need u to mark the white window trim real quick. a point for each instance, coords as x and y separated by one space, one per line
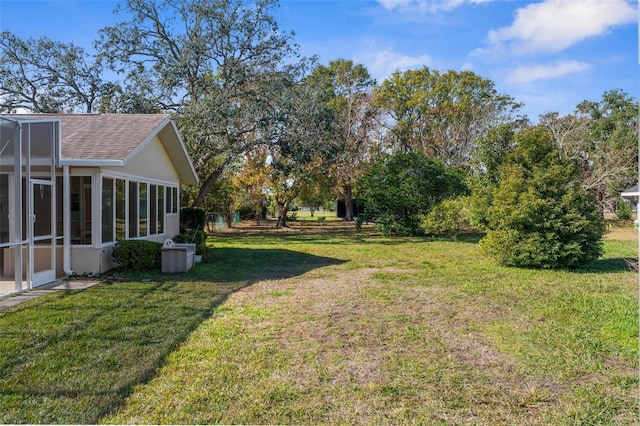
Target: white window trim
126 177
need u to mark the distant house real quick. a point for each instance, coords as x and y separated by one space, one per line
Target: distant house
631 194
73 185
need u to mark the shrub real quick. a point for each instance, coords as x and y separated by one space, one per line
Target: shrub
539 215
450 217
138 255
360 220
192 218
199 238
623 210
402 188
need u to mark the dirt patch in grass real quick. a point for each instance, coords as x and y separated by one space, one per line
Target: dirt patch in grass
352 332
621 231
268 227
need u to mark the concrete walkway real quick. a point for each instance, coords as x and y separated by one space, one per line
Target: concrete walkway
18 298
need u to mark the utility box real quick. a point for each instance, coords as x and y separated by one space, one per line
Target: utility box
177 257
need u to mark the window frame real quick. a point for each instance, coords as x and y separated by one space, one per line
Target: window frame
144 186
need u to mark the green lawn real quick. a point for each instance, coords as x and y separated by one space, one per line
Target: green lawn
334 328
318 216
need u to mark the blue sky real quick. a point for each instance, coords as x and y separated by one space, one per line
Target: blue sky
548 54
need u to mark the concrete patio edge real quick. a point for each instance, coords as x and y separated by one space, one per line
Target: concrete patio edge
16 299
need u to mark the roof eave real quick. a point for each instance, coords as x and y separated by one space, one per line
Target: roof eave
182 162
83 162
191 177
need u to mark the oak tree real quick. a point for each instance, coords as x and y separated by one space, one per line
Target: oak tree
46 76
442 114
217 63
349 89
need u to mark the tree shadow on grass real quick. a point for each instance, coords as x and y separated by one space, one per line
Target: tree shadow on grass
227 265
608 265
73 357
351 238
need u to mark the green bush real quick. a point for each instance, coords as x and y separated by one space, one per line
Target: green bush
623 210
361 219
539 215
192 218
138 255
199 238
402 188
450 217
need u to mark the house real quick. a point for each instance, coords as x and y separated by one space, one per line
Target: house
73 185
631 195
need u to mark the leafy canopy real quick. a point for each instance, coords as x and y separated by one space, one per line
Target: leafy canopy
539 216
442 114
403 187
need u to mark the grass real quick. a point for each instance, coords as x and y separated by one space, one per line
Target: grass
310 326
71 357
318 216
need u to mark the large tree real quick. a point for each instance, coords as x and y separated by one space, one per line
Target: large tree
349 89
401 188
601 138
442 114
218 63
613 145
253 180
45 76
302 143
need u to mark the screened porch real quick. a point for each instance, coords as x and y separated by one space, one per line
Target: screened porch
31 237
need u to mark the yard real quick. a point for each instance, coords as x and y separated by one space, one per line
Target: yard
318 324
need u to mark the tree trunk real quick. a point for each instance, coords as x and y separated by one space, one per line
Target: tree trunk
230 216
206 187
283 209
348 203
258 213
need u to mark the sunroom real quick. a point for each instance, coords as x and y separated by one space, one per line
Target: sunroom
73 185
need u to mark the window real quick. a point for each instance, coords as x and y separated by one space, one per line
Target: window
160 209
80 209
107 210
142 216
172 200
121 210
153 209
174 195
133 209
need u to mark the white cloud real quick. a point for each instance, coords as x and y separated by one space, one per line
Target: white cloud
554 25
384 63
525 74
467 66
425 6
390 4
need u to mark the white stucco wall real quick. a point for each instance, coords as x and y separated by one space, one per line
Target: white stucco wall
172 225
89 260
151 162
86 260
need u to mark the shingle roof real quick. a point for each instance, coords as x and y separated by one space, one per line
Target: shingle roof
115 137
102 136
633 191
